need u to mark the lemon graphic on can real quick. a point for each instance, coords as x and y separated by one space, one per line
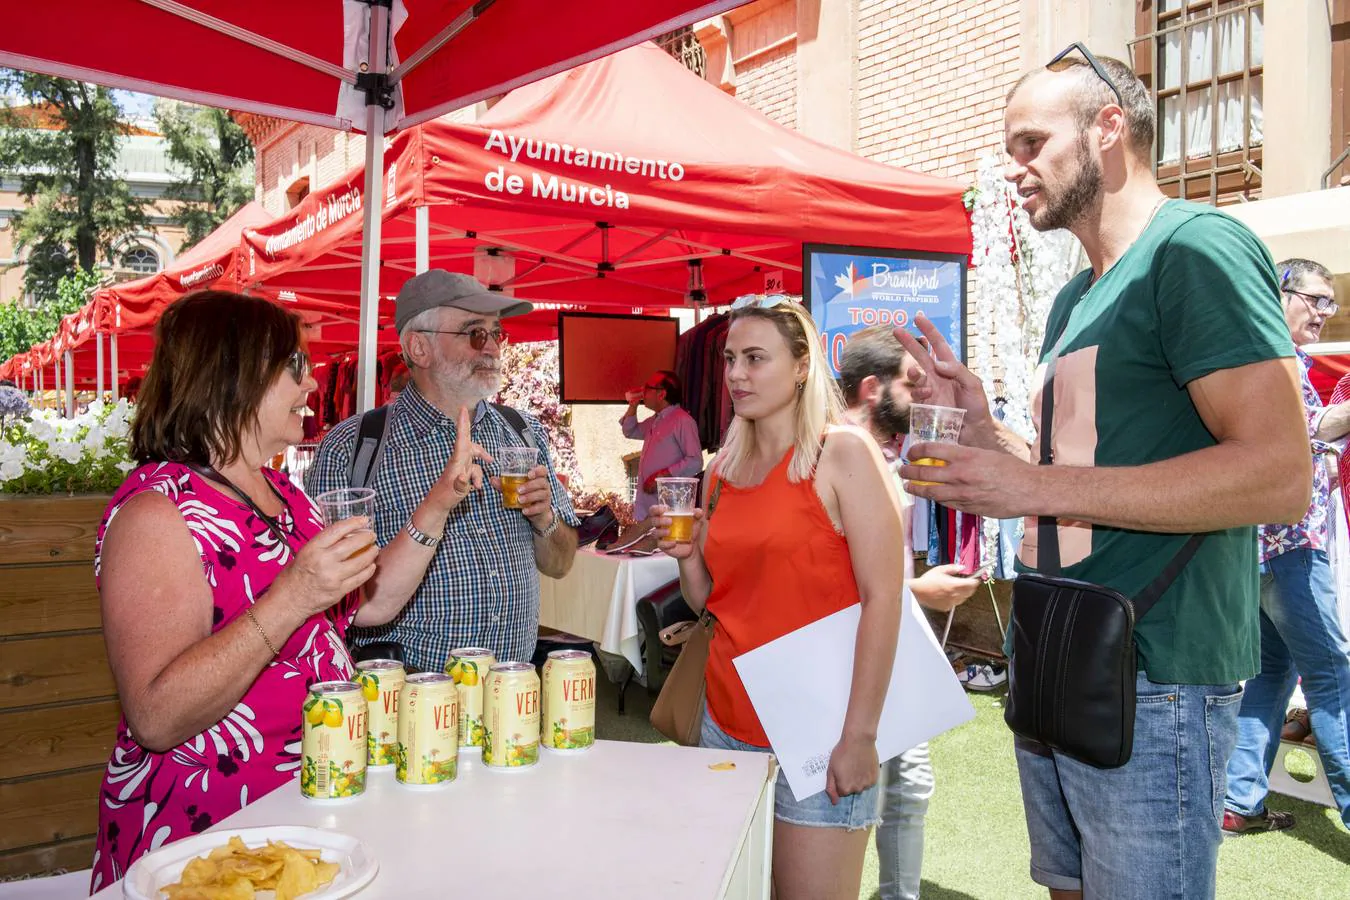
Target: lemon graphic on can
314 711
370 686
332 713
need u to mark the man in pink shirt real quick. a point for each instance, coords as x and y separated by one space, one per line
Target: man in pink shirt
670 445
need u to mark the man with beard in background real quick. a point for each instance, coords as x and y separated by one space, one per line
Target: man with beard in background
479 584
874 377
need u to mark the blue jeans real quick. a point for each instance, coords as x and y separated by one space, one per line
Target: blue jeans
1301 634
1149 830
908 786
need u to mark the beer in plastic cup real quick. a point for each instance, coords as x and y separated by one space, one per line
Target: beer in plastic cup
679 496
516 463
929 424
344 503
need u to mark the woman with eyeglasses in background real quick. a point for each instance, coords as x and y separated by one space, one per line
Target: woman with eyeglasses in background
223 595
799 520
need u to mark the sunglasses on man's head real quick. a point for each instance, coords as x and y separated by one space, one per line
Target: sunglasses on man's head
478 336
1091 61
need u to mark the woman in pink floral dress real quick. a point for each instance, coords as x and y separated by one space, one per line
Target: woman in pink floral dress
224 596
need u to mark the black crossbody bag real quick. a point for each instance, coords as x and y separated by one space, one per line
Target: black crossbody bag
1071 675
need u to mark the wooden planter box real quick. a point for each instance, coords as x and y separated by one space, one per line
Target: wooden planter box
58 705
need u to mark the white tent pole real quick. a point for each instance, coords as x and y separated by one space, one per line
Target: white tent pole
70 384
372 205
56 379
112 372
98 364
422 222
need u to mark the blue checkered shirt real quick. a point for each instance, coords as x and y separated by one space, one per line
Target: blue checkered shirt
482 586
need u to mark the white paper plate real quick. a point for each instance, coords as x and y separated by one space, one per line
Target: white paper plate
357 866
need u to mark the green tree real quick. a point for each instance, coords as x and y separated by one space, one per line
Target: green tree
78 206
21 327
216 156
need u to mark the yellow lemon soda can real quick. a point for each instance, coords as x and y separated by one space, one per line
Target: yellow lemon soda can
469 666
381 680
511 717
568 722
428 731
333 749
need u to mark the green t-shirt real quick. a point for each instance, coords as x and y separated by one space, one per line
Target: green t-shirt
1195 293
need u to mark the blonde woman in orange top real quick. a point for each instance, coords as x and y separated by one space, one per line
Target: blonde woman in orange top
801 521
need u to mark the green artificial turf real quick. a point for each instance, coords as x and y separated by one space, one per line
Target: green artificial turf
976 839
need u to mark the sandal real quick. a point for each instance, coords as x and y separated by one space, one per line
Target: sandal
1297 728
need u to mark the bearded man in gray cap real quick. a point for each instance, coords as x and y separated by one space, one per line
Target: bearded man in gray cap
470 564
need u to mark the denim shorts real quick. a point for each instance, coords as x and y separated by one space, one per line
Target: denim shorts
1149 830
853 812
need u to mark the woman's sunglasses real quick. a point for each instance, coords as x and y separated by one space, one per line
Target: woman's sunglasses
760 301
298 365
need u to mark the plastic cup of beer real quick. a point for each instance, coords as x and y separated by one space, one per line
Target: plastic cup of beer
344 503
933 424
679 496
516 463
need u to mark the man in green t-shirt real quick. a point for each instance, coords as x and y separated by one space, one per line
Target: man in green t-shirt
1177 412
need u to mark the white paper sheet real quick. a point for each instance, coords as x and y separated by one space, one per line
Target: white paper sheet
800 683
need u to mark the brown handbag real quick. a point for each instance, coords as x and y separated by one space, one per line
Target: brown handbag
678 711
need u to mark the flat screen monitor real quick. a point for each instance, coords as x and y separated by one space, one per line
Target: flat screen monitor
601 356
848 289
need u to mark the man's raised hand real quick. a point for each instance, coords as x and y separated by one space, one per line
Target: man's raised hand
463 473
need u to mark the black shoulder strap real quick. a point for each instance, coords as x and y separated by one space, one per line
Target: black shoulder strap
369 446
517 421
1047 531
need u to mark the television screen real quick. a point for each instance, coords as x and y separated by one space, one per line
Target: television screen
601 356
848 289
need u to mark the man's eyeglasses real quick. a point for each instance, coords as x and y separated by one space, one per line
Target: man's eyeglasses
298 365
1091 61
478 337
1320 302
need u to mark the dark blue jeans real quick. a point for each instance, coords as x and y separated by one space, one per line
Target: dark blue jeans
1301 634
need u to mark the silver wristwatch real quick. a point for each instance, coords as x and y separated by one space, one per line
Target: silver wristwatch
552 526
420 536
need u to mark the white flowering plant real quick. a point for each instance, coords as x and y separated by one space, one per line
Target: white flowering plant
44 453
531 385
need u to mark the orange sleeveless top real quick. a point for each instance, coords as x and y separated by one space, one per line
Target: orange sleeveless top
777 564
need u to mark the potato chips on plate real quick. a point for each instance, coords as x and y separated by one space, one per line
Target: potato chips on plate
282 862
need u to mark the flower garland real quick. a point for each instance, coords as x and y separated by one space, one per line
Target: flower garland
1017 273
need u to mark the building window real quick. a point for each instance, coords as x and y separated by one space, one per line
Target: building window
1202 59
141 260
297 192
683 44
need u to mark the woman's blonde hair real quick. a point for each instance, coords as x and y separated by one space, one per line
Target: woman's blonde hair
819 403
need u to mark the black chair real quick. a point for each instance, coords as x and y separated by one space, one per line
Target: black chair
657 611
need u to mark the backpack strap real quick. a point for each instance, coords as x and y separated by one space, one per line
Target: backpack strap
369 446
517 421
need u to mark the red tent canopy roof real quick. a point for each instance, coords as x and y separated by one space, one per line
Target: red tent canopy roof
599 186
299 59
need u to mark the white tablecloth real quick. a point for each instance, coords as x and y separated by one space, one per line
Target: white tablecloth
598 599
624 820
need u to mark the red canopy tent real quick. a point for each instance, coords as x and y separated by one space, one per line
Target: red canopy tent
627 182
127 311
376 65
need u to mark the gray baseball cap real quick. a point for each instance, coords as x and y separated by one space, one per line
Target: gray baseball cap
437 287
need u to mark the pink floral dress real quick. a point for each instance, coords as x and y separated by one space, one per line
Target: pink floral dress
149 799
